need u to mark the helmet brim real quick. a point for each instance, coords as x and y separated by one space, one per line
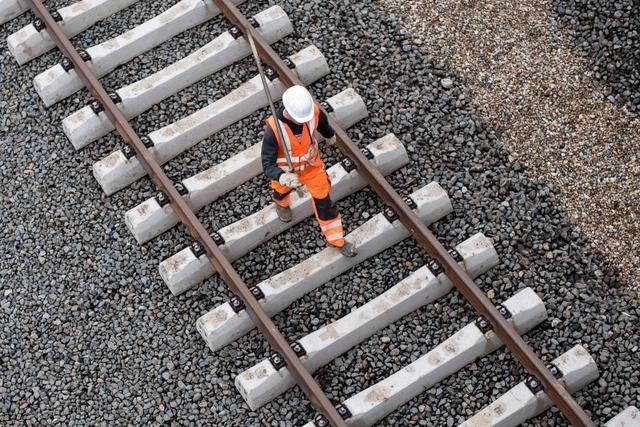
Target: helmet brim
302 119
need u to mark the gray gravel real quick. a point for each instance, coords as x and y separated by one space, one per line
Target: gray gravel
91 335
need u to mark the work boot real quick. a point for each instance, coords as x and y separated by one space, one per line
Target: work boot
349 250
283 213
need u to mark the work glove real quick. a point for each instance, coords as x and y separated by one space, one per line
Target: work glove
331 141
289 180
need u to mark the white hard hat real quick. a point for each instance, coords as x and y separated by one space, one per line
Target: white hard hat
298 103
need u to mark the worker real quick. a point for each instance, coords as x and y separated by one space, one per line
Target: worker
300 120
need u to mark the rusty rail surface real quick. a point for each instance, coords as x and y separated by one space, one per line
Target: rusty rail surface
465 285
259 317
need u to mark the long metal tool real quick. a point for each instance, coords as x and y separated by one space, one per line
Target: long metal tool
257 314
505 331
287 154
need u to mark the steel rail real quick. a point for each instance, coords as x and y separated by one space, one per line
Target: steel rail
259 317
465 285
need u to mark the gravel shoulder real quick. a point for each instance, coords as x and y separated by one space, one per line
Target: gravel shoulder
539 92
91 335
608 35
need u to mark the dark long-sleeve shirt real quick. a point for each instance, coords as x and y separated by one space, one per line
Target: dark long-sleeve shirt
270 143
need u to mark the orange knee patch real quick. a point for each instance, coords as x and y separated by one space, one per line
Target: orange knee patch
282 195
317 181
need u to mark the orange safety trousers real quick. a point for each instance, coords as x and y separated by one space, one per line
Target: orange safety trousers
317 181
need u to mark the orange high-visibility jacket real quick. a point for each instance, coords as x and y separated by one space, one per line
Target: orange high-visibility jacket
303 149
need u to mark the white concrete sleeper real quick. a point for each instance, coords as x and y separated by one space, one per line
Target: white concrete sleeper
630 417
223 324
520 403
116 171
30 42
56 83
262 383
149 219
86 125
9 9
465 346
185 270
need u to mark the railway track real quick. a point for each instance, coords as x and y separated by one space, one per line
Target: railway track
213 251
